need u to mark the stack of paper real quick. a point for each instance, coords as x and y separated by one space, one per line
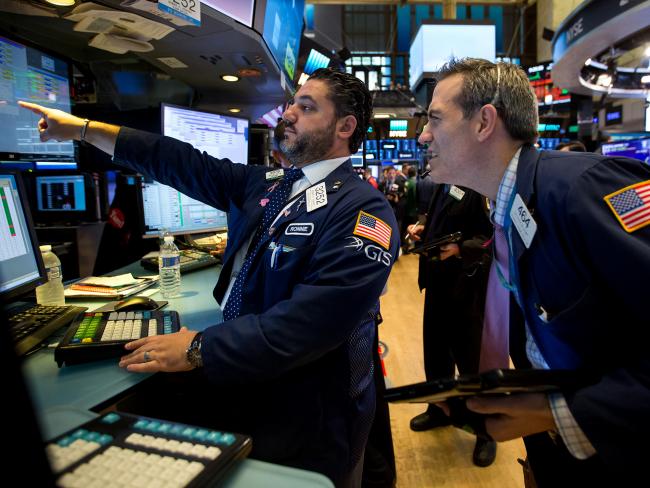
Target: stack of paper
109 286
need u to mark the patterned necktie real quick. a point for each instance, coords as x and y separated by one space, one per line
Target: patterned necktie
496 327
273 206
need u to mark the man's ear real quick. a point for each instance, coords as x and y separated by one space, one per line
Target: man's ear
346 126
486 122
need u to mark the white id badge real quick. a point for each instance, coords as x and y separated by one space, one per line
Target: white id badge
316 197
523 221
456 192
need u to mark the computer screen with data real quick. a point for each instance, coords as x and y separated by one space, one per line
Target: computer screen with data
21 266
31 75
166 209
220 136
61 193
635 148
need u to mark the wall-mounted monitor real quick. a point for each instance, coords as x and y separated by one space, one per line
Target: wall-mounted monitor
548 95
398 128
283 22
635 148
357 158
21 265
221 136
315 60
31 75
451 40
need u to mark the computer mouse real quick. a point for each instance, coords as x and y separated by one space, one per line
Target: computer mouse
136 303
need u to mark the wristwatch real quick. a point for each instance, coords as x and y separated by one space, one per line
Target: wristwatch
194 351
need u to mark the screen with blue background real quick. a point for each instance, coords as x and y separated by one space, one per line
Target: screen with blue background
637 149
32 76
283 22
315 60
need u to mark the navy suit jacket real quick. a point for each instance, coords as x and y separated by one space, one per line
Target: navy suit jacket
302 345
590 276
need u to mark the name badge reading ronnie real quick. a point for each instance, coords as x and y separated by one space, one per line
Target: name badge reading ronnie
456 192
523 221
316 197
275 174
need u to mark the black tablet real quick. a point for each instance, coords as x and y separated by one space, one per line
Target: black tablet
497 381
436 243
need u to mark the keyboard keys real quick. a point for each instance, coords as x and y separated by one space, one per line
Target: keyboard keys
120 449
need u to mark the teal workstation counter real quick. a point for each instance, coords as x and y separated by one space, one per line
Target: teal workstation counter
65 397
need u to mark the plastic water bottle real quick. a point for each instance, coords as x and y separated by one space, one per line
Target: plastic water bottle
51 292
169 268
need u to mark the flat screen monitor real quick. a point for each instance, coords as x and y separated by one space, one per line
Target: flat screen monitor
283 23
220 136
398 149
34 76
635 148
21 265
457 40
357 158
167 209
240 10
398 128
315 60
65 196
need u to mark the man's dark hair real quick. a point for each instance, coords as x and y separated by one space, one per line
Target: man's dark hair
350 97
572 146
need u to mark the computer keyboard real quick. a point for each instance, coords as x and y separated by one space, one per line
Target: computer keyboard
125 450
102 335
32 326
191 260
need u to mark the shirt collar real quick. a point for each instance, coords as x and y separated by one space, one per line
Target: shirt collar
506 187
318 171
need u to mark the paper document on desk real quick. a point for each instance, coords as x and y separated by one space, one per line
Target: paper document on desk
93 288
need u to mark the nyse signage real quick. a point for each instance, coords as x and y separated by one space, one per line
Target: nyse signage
585 19
613 115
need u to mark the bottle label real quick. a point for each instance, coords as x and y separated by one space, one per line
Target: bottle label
169 261
54 273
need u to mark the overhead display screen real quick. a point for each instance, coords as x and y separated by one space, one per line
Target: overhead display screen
283 21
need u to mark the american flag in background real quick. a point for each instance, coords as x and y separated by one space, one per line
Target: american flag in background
373 228
631 205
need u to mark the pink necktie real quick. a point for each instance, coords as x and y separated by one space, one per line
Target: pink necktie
494 340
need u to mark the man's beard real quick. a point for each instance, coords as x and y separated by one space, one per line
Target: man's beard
309 146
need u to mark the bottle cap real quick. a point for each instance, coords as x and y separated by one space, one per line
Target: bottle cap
169 238
45 248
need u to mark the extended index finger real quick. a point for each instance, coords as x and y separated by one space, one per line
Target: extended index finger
37 109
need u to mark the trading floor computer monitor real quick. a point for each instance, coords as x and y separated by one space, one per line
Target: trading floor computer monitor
21 265
220 136
634 148
65 196
31 75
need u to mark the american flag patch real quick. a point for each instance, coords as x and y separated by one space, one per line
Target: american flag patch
373 228
631 205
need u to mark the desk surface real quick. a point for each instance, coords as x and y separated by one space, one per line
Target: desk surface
64 396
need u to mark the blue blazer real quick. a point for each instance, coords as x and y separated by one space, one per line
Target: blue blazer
302 344
584 287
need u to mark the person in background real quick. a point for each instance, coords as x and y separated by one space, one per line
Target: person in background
393 187
291 364
571 146
572 246
367 176
454 278
411 203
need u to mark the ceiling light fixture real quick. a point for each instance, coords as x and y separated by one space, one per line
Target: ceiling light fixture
234 110
381 116
62 3
231 78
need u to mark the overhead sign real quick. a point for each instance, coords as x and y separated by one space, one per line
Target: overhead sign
188 10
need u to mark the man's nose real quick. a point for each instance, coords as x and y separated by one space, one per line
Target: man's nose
425 137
